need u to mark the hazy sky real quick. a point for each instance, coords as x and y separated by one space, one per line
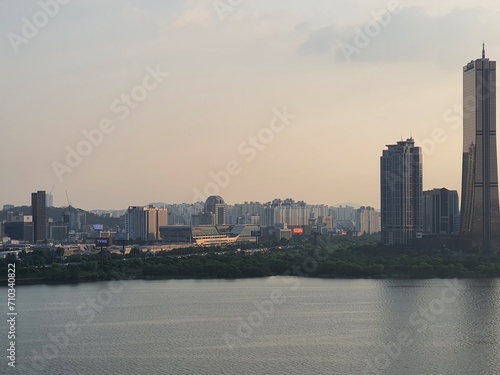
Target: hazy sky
232 65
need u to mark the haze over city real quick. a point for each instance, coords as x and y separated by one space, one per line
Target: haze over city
215 77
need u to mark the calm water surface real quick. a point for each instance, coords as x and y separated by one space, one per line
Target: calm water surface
266 326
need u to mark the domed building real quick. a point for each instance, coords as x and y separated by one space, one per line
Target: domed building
215 211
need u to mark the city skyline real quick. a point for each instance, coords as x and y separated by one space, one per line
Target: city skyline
145 223
236 187
158 204
281 70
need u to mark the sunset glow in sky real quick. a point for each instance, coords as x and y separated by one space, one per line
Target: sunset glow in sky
126 102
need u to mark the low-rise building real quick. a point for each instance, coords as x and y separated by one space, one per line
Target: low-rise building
208 235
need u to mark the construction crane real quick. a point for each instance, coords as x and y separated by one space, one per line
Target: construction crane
71 219
67 198
69 203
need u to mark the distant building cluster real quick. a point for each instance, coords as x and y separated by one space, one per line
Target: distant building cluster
214 212
144 222
204 223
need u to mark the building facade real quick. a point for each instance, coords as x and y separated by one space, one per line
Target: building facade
144 222
74 218
401 193
285 211
367 220
441 211
480 216
49 200
343 213
215 211
209 235
39 213
19 227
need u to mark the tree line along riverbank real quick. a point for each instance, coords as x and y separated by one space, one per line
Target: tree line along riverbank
325 257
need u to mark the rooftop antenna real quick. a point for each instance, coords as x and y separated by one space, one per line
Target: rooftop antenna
484 54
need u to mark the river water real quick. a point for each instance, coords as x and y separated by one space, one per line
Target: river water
275 325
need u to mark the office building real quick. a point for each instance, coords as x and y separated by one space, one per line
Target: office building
49 200
58 232
401 193
441 211
74 218
479 212
215 211
144 222
39 213
19 227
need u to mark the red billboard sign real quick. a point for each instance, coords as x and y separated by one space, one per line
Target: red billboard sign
298 231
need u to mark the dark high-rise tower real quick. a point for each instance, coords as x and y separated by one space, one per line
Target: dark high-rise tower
38 211
480 218
441 211
401 193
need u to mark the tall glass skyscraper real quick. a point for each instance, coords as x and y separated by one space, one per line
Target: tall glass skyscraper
401 191
480 217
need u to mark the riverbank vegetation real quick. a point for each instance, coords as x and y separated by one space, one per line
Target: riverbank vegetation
337 257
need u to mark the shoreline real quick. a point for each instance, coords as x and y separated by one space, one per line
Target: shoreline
45 281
